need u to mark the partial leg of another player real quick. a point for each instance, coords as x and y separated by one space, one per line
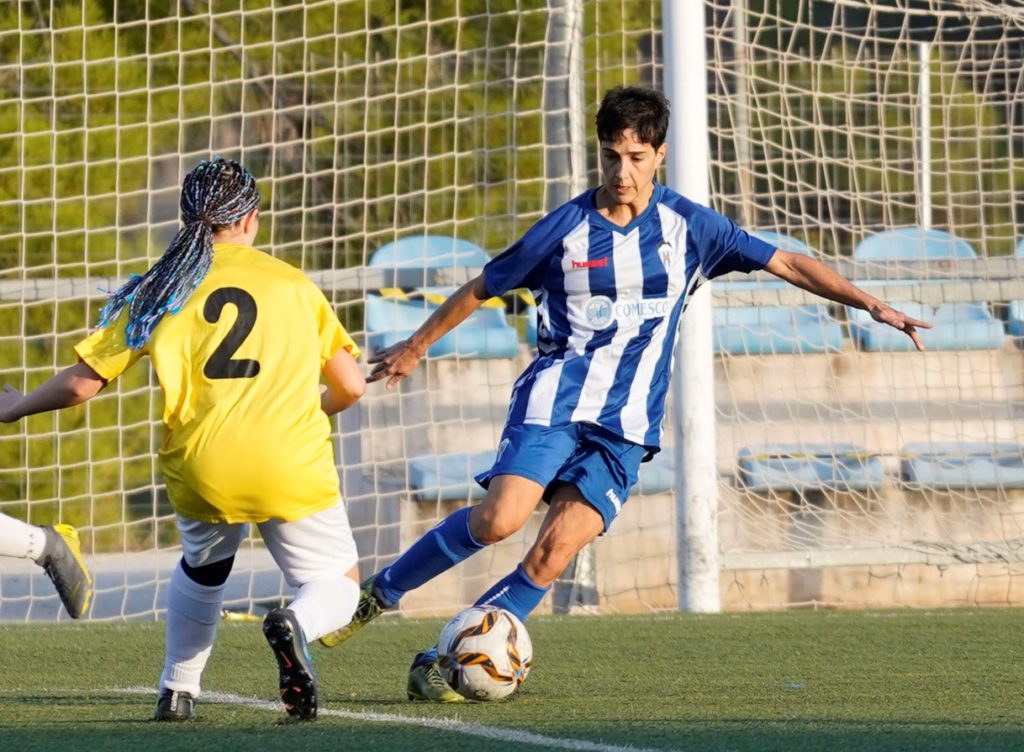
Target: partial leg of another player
316 554
569 525
58 551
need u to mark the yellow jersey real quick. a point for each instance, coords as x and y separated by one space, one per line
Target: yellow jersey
239 365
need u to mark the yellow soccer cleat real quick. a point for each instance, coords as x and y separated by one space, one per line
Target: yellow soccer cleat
368 609
62 561
426 682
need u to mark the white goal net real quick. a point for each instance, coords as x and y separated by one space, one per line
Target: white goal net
850 474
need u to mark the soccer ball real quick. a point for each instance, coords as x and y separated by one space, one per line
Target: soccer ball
485 653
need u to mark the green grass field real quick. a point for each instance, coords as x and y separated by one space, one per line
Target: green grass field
906 680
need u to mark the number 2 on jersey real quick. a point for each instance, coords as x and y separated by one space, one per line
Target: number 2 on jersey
221 365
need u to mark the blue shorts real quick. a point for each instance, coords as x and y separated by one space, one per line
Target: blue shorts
600 464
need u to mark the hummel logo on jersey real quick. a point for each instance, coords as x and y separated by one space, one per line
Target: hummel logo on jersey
613 498
589 264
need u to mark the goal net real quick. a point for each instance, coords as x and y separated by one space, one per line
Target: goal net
394 142
855 471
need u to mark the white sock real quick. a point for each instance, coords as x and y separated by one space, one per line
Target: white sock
20 540
323 606
193 612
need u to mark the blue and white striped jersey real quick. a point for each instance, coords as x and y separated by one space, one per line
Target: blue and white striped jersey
609 301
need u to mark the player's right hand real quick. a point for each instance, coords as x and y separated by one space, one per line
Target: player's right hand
885 314
394 363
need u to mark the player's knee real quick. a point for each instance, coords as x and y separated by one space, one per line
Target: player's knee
492 524
209 575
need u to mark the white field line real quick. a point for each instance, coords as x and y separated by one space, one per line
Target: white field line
453 725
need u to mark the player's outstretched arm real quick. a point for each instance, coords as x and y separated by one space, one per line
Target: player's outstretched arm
72 386
398 361
813 276
345 383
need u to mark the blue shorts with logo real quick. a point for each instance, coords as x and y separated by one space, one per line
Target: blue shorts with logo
600 464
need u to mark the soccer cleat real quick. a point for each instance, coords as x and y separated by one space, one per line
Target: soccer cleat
295 665
175 706
62 562
426 682
368 609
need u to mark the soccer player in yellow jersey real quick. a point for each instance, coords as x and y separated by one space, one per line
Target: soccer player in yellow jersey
239 341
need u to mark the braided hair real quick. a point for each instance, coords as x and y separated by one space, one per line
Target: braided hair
214 195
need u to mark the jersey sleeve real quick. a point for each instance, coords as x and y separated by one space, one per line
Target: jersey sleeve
523 264
106 350
333 336
724 247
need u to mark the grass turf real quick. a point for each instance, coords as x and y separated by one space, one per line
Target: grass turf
906 680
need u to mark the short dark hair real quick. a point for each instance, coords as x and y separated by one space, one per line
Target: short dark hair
644 111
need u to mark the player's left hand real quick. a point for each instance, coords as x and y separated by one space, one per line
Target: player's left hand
9 398
898 320
394 363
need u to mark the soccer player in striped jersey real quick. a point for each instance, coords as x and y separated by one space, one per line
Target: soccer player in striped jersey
611 271
239 341
57 549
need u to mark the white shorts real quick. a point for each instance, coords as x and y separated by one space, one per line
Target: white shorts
314 548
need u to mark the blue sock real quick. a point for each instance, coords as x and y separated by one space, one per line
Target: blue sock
425 658
515 592
438 551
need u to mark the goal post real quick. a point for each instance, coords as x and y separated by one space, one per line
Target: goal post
692 420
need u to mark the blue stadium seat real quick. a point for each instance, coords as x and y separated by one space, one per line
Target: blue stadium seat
1015 318
808 467
958 326
450 477
393 315
428 251
758 330
946 465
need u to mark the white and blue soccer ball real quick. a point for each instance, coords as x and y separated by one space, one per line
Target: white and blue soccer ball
485 653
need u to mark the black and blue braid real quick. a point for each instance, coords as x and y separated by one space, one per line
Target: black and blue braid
214 195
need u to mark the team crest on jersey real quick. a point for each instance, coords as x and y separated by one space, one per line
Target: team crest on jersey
665 252
598 311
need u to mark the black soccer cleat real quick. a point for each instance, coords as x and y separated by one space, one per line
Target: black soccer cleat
175 706
297 677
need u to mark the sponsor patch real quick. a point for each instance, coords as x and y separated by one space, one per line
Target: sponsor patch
601 311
